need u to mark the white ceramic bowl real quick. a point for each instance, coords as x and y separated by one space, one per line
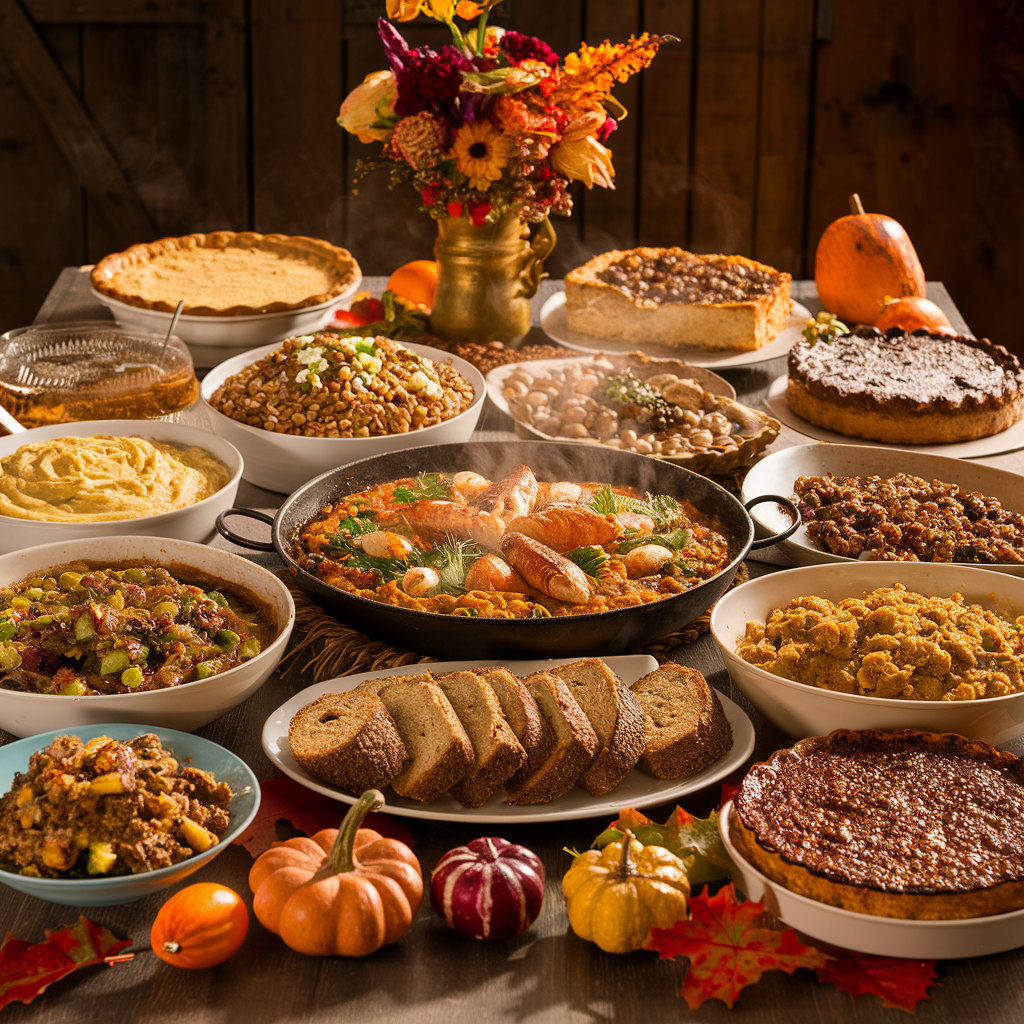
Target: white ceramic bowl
777 474
866 933
211 339
184 707
103 892
283 463
194 522
800 710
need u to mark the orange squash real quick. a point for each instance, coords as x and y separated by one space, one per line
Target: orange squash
200 926
862 259
911 313
344 891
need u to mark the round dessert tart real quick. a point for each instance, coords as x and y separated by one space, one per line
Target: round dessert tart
913 825
901 388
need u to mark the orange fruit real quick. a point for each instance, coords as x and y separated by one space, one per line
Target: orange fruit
416 281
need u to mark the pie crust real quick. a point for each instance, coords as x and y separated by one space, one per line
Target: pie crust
227 273
749 321
903 388
908 824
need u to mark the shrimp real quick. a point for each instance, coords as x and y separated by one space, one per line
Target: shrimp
382 544
563 526
546 570
635 522
512 496
560 491
464 522
493 573
467 485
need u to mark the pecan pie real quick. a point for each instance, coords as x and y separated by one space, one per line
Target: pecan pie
227 273
676 297
908 824
901 388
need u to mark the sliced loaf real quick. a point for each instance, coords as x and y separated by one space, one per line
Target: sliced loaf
686 727
520 709
573 748
498 754
617 719
348 740
440 752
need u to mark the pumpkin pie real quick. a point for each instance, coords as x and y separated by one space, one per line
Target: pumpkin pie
908 824
227 273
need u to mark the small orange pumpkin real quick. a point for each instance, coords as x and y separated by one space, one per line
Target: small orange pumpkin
344 891
862 259
200 926
911 313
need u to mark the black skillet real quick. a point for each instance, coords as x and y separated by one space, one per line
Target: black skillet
452 637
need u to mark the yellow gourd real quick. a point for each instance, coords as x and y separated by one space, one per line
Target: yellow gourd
615 896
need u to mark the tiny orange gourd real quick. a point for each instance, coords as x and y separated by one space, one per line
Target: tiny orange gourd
201 926
344 891
415 281
911 313
861 259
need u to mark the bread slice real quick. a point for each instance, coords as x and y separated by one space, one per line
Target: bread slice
617 719
686 727
348 740
573 745
439 750
498 753
520 709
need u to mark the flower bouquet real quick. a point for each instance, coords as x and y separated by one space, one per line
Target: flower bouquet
490 130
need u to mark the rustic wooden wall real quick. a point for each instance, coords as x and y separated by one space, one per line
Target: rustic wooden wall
121 121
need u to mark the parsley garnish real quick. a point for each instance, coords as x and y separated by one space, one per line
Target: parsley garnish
428 485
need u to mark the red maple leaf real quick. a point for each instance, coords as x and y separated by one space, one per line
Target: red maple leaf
309 812
727 950
27 969
902 984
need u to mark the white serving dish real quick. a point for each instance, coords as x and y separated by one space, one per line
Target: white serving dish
777 474
101 891
192 523
866 933
637 789
212 339
283 463
183 707
801 711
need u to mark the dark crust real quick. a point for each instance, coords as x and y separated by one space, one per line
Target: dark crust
839 831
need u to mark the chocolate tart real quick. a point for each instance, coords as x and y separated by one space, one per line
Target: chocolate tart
901 388
675 297
227 273
913 825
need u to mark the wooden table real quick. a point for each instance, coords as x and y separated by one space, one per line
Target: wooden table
434 975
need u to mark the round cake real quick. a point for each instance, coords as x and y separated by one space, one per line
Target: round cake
901 388
906 824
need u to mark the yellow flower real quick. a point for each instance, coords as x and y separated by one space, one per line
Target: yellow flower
480 152
584 160
403 10
368 110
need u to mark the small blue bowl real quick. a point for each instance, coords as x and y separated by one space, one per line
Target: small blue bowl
104 892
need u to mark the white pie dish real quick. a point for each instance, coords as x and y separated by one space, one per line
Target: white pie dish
183 707
191 523
866 933
283 462
800 710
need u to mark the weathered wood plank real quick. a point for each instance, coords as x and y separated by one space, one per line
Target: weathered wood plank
126 12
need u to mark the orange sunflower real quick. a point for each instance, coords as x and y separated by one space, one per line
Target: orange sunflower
480 151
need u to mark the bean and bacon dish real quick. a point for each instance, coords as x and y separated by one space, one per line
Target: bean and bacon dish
517 548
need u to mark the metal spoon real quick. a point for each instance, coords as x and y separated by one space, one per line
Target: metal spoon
170 330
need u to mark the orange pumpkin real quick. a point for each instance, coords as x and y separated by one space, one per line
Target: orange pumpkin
200 926
862 259
911 313
344 891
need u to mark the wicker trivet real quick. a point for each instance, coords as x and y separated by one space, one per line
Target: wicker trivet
328 648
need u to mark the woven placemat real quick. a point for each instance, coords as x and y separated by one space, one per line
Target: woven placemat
327 648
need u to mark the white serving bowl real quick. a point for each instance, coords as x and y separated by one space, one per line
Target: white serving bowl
193 523
283 462
777 474
800 710
211 339
867 933
183 707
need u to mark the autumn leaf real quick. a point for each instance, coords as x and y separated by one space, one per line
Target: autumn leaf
309 812
726 949
27 969
695 841
902 984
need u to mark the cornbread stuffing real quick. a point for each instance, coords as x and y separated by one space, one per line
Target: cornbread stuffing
891 643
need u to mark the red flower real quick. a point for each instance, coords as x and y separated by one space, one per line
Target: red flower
606 129
430 193
478 213
455 209
520 47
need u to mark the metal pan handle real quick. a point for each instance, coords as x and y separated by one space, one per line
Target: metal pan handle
764 542
249 513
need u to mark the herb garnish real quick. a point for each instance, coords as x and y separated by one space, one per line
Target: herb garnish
591 559
428 485
665 511
629 391
824 327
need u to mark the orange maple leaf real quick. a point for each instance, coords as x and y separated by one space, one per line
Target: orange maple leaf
902 984
727 951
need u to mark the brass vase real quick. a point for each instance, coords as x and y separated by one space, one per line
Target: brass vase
486 277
